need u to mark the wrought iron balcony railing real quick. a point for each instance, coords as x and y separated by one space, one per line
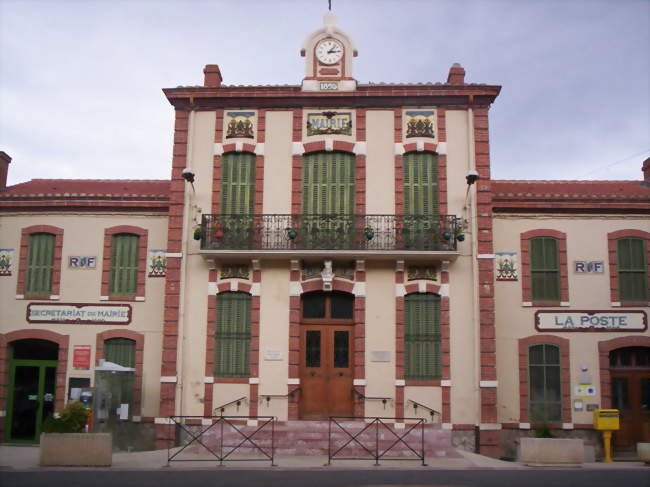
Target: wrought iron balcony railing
331 232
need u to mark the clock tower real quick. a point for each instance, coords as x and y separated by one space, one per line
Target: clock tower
328 53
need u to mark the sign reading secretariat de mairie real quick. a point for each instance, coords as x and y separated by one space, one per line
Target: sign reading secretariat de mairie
591 320
63 313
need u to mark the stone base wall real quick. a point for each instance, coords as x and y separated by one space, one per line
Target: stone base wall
509 442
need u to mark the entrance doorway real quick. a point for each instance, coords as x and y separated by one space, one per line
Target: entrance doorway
32 386
326 355
630 373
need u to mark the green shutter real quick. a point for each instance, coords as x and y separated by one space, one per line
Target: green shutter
237 183
422 336
328 183
40 262
545 269
632 270
124 265
120 351
420 183
544 383
232 337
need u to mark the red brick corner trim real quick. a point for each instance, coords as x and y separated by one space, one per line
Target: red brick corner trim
61 366
565 374
142 260
613 261
604 348
24 252
138 338
526 280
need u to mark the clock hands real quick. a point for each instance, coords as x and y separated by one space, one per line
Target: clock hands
333 50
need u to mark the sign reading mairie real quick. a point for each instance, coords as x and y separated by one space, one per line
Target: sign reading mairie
75 313
591 320
329 123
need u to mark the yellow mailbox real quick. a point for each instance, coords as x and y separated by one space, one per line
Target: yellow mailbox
606 419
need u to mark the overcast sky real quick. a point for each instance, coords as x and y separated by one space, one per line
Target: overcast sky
80 80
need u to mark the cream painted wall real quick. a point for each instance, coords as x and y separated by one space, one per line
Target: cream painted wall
84 235
428 396
380 162
194 313
201 161
463 319
586 240
224 393
380 335
277 163
274 336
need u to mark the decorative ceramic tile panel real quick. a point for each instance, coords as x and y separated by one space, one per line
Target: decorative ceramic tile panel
506 266
240 125
420 123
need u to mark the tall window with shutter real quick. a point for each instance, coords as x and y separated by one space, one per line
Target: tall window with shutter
420 199
632 269
422 336
233 335
237 183
120 351
40 263
328 190
124 264
545 268
544 382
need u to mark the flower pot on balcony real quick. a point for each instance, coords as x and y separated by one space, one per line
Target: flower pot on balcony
197 233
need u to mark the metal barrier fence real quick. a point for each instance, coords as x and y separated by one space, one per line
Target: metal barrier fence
224 451
369 443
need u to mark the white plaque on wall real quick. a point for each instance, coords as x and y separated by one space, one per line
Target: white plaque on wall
380 356
272 355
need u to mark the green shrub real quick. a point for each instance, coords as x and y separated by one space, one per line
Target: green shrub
73 419
543 432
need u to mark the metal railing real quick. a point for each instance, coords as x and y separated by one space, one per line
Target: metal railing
362 396
223 407
224 452
368 438
331 232
288 395
432 411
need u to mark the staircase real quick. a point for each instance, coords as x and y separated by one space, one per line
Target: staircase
307 438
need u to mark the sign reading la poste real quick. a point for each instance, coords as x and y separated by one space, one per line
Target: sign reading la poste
75 313
591 320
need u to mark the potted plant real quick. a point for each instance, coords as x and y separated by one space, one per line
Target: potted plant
369 232
197 232
64 442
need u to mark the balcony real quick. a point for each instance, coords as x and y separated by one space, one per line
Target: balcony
381 236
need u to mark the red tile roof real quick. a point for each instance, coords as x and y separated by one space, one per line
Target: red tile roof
571 195
89 188
87 193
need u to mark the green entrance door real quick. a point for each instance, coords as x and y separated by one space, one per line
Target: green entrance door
32 386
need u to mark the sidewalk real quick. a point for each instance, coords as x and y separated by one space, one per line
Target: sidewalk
26 458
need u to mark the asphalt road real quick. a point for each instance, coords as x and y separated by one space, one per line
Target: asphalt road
328 478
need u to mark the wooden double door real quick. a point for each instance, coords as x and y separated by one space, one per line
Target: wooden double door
326 371
631 396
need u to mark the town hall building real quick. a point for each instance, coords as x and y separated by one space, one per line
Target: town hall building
329 248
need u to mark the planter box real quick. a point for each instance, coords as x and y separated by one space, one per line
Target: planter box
552 452
643 450
76 449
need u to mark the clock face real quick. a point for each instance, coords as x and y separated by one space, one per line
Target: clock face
329 51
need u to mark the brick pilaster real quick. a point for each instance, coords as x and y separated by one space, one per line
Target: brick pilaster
487 359
172 279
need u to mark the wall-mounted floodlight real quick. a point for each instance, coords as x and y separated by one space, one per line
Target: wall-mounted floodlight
188 175
472 177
